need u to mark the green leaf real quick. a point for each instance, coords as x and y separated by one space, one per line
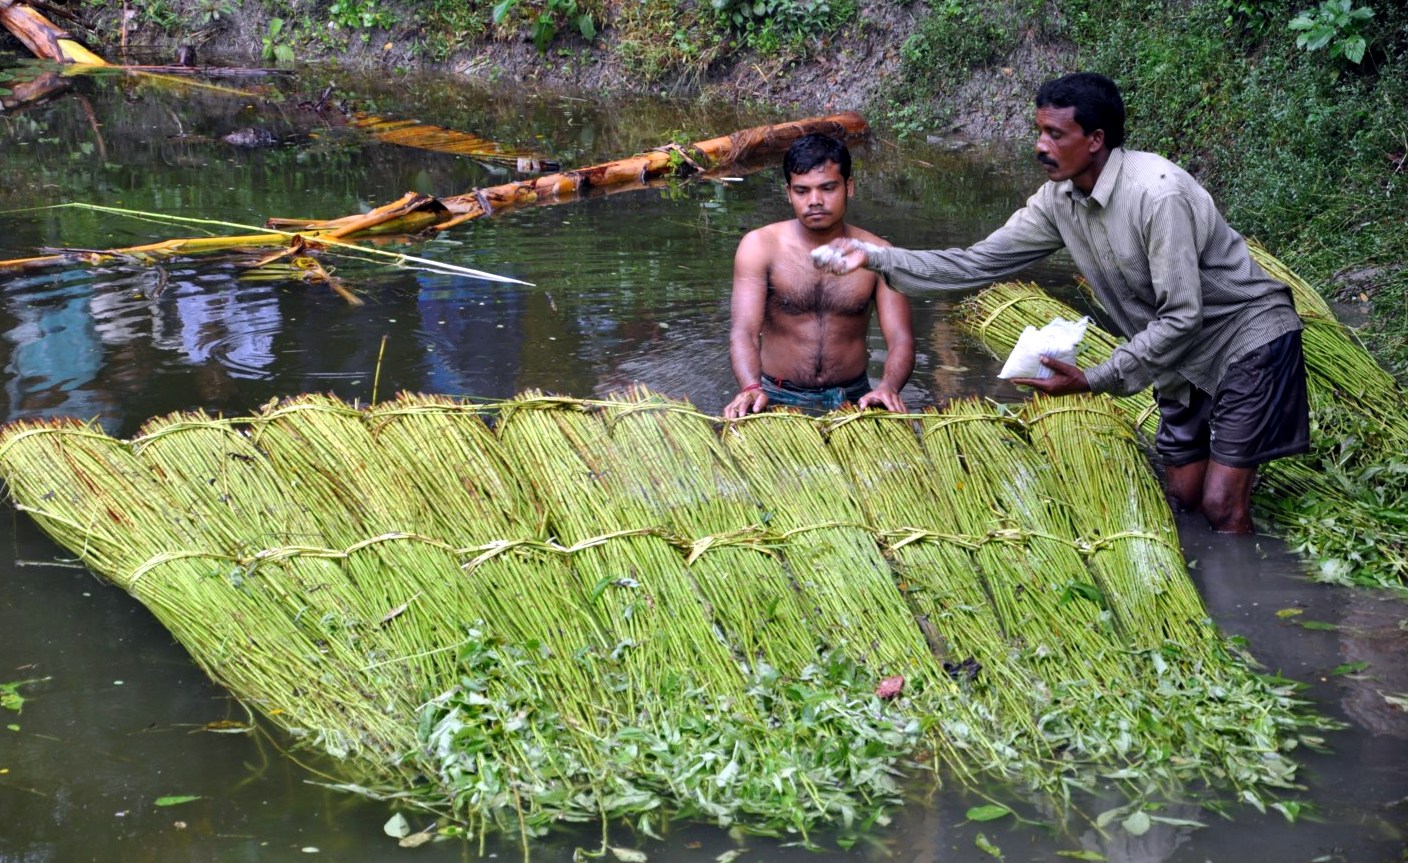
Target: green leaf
1176 822
600 587
398 827
502 9
1083 590
1081 855
1318 625
990 812
983 844
1318 39
176 799
1136 824
1349 668
1104 819
1289 612
10 697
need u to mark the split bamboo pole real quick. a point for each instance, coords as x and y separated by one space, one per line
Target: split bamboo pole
415 212
42 37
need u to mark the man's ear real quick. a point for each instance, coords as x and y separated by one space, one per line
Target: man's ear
850 187
1097 140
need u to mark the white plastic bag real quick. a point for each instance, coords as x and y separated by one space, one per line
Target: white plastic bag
1057 340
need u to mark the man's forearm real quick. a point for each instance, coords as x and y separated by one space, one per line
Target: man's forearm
746 357
899 365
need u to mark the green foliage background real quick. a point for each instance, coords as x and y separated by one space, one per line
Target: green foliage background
1303 149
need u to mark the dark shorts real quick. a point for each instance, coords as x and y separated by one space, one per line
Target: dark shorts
1260 412
821 399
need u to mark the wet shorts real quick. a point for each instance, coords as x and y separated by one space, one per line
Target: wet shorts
1260 412
780 392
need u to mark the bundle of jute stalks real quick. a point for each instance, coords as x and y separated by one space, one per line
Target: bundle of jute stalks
547 609
1342 503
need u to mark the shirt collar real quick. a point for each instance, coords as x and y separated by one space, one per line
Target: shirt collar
1104 187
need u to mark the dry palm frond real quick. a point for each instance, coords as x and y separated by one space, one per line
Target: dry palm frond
424 136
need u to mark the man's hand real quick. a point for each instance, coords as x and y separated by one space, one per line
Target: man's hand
1065 379
842 255
883 397
746 402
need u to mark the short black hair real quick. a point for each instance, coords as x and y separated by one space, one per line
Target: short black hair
810 151
1096 99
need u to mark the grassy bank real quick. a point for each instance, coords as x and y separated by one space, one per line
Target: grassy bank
1304 148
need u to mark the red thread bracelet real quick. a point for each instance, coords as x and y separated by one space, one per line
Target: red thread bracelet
751 387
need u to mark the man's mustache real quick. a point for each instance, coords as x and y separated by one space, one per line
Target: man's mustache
1046 160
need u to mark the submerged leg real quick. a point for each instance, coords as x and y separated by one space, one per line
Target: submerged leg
1185 485
1227 498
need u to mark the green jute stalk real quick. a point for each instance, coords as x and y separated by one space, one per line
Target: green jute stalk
835 562
937 575
993 478
1332 503
201 594
696 493
469 496
635 581
404 596
1119 511
344 481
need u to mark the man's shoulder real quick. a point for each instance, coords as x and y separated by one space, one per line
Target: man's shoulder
1150 170
774 234
856 232
763 240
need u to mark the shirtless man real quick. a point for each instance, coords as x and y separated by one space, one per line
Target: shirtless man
798 333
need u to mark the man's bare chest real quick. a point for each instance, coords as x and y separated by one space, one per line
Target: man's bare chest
821 294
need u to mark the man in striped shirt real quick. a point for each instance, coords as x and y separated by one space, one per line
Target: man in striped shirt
1217 338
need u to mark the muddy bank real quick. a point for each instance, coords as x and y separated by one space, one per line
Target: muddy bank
854 69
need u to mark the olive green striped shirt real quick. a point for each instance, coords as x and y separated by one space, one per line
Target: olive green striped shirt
1174 278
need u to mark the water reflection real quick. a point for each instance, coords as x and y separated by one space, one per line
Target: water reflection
627 288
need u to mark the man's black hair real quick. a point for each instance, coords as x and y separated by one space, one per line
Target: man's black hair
810 151
1096 99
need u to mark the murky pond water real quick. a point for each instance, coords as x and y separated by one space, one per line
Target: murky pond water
628 287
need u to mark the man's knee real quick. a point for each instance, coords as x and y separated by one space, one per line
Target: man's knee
1227 510
1184 484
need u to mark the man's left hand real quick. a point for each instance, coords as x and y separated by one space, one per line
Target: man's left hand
1065 379
882 397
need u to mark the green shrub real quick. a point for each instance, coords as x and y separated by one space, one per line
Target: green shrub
547 18
955 38
1336 23
772 25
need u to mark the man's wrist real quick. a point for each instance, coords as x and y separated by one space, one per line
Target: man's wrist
751 388
877 258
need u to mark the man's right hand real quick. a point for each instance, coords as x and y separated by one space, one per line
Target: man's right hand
746 402
842 255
